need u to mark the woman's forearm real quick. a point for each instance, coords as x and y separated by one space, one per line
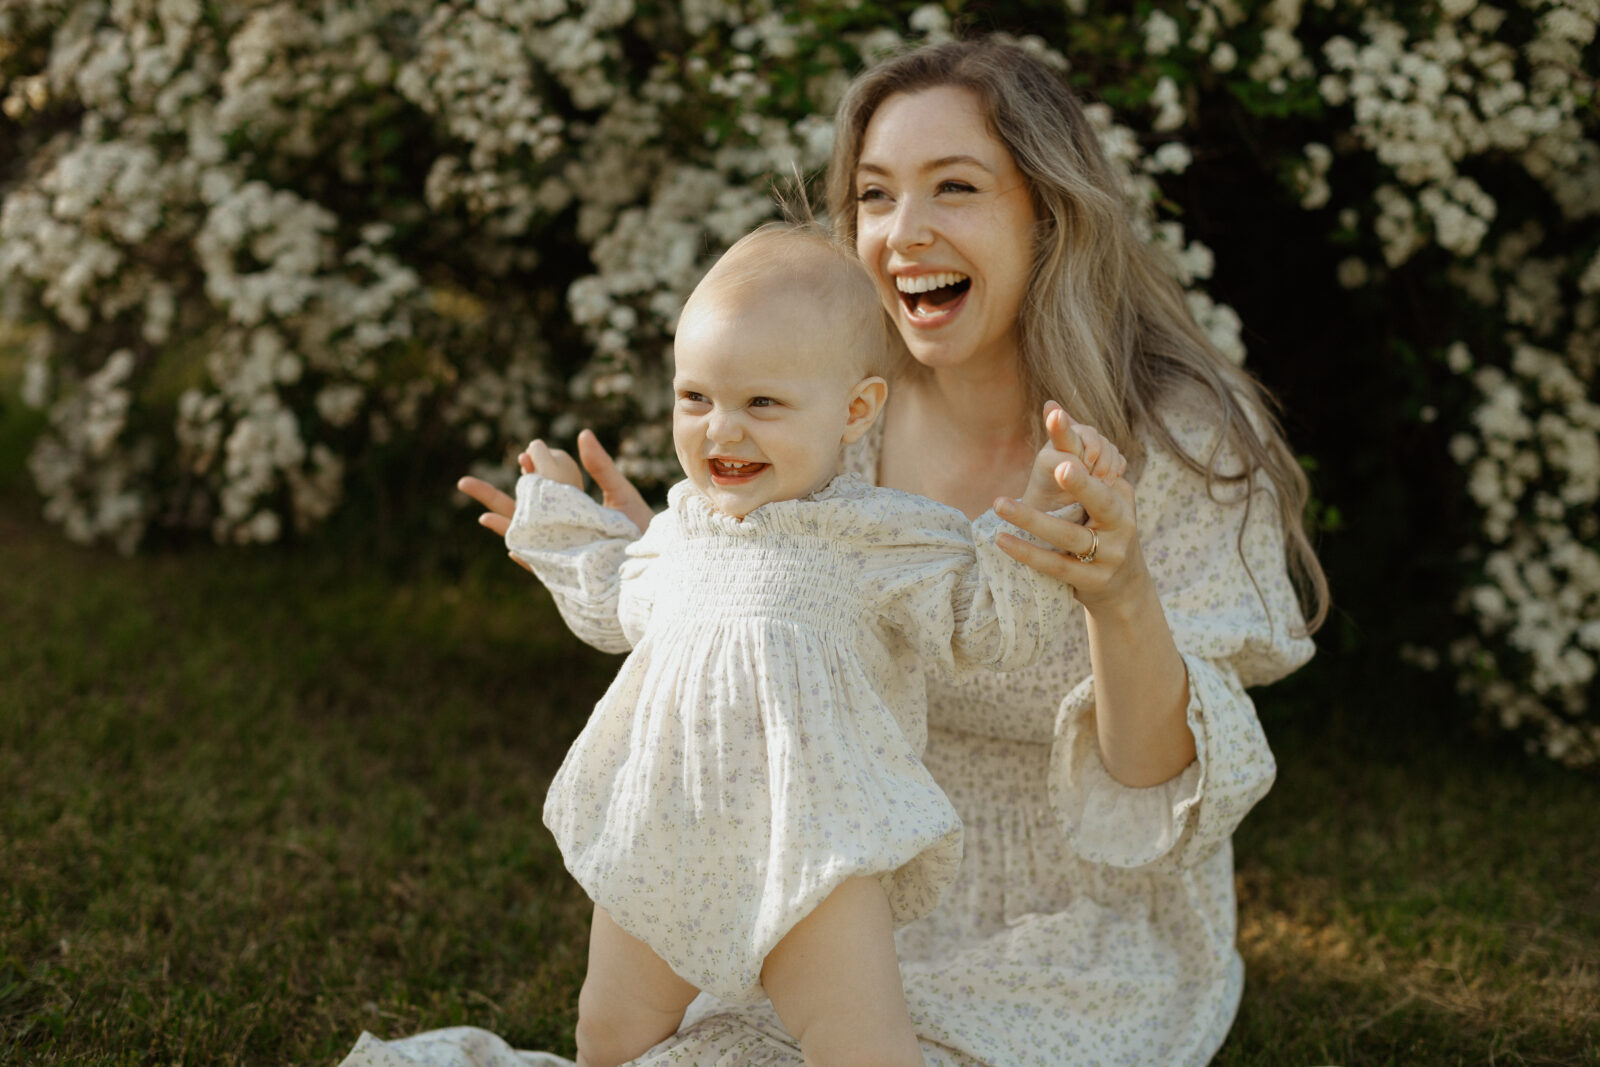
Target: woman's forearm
1141 691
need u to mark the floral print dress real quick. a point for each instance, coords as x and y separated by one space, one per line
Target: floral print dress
761 743
1091 923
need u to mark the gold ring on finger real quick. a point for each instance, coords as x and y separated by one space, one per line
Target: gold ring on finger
1094 546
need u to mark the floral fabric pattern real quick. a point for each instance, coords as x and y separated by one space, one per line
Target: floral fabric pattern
762 743
1090 923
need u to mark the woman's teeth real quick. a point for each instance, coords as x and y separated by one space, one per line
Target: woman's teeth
922 283
929 294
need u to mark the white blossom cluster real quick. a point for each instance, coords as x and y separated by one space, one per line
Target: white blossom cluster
264 331
1438 94
1532 456
249 241
1436 104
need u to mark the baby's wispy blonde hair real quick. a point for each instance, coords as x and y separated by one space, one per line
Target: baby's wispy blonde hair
800 260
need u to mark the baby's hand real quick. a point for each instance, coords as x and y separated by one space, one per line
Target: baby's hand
1069 442
551 463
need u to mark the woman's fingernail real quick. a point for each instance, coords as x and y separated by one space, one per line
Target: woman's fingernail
1004 506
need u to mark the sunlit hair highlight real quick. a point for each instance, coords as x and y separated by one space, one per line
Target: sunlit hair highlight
1104 327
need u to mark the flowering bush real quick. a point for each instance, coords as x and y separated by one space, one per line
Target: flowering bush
250 247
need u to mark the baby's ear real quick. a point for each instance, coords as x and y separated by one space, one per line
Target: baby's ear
866 403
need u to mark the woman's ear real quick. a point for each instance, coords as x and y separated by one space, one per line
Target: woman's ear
866 402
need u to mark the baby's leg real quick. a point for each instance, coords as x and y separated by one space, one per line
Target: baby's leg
630 998
835 982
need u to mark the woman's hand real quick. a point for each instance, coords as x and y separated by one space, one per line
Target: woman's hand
617 491
1068 440
1099 558
1141 682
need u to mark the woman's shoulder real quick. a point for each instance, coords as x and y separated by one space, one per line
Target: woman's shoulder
1192 437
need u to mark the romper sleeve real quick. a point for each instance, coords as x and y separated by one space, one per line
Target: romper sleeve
957 598
582 551
1221 570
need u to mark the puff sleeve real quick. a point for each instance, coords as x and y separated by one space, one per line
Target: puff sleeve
584 554
1221 571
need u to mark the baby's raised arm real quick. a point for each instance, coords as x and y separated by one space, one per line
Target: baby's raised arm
577 548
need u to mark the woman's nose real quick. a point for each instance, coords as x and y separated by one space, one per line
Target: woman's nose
908 228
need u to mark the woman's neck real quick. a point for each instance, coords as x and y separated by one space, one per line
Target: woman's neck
960 440
986 410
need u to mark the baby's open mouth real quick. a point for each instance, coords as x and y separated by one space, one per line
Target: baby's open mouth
929 294
727 468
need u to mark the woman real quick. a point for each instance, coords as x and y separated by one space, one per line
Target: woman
1093 921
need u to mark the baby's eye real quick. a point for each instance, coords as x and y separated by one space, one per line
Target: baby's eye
688 396
762 402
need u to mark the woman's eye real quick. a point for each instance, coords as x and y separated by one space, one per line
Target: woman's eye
953 186
867 196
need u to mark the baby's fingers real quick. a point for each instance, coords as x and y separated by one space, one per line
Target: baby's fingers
1102 458
552 463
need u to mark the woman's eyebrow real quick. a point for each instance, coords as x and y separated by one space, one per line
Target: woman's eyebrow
932 164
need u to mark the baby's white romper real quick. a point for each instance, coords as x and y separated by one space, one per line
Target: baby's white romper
761 743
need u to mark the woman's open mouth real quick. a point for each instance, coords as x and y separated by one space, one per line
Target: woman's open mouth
928 297
734 472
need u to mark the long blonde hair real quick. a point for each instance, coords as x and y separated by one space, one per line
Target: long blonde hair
1104 326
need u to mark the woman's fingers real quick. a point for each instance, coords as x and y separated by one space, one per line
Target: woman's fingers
617 491
1108 504
1064 535
1100 558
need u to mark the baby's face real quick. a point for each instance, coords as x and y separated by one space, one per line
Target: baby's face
762 401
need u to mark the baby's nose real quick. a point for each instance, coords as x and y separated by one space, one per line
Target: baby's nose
724 427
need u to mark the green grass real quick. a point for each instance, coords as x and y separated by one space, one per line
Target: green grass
256 802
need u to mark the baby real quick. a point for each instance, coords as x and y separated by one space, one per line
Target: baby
746 805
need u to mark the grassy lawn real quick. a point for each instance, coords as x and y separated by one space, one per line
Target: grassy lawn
258 802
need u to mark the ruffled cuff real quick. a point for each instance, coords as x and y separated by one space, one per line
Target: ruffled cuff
543 503
1104 820
1123 826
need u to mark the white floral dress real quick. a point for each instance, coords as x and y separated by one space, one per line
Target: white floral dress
761 744
1091 923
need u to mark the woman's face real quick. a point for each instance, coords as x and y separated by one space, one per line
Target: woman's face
945 223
